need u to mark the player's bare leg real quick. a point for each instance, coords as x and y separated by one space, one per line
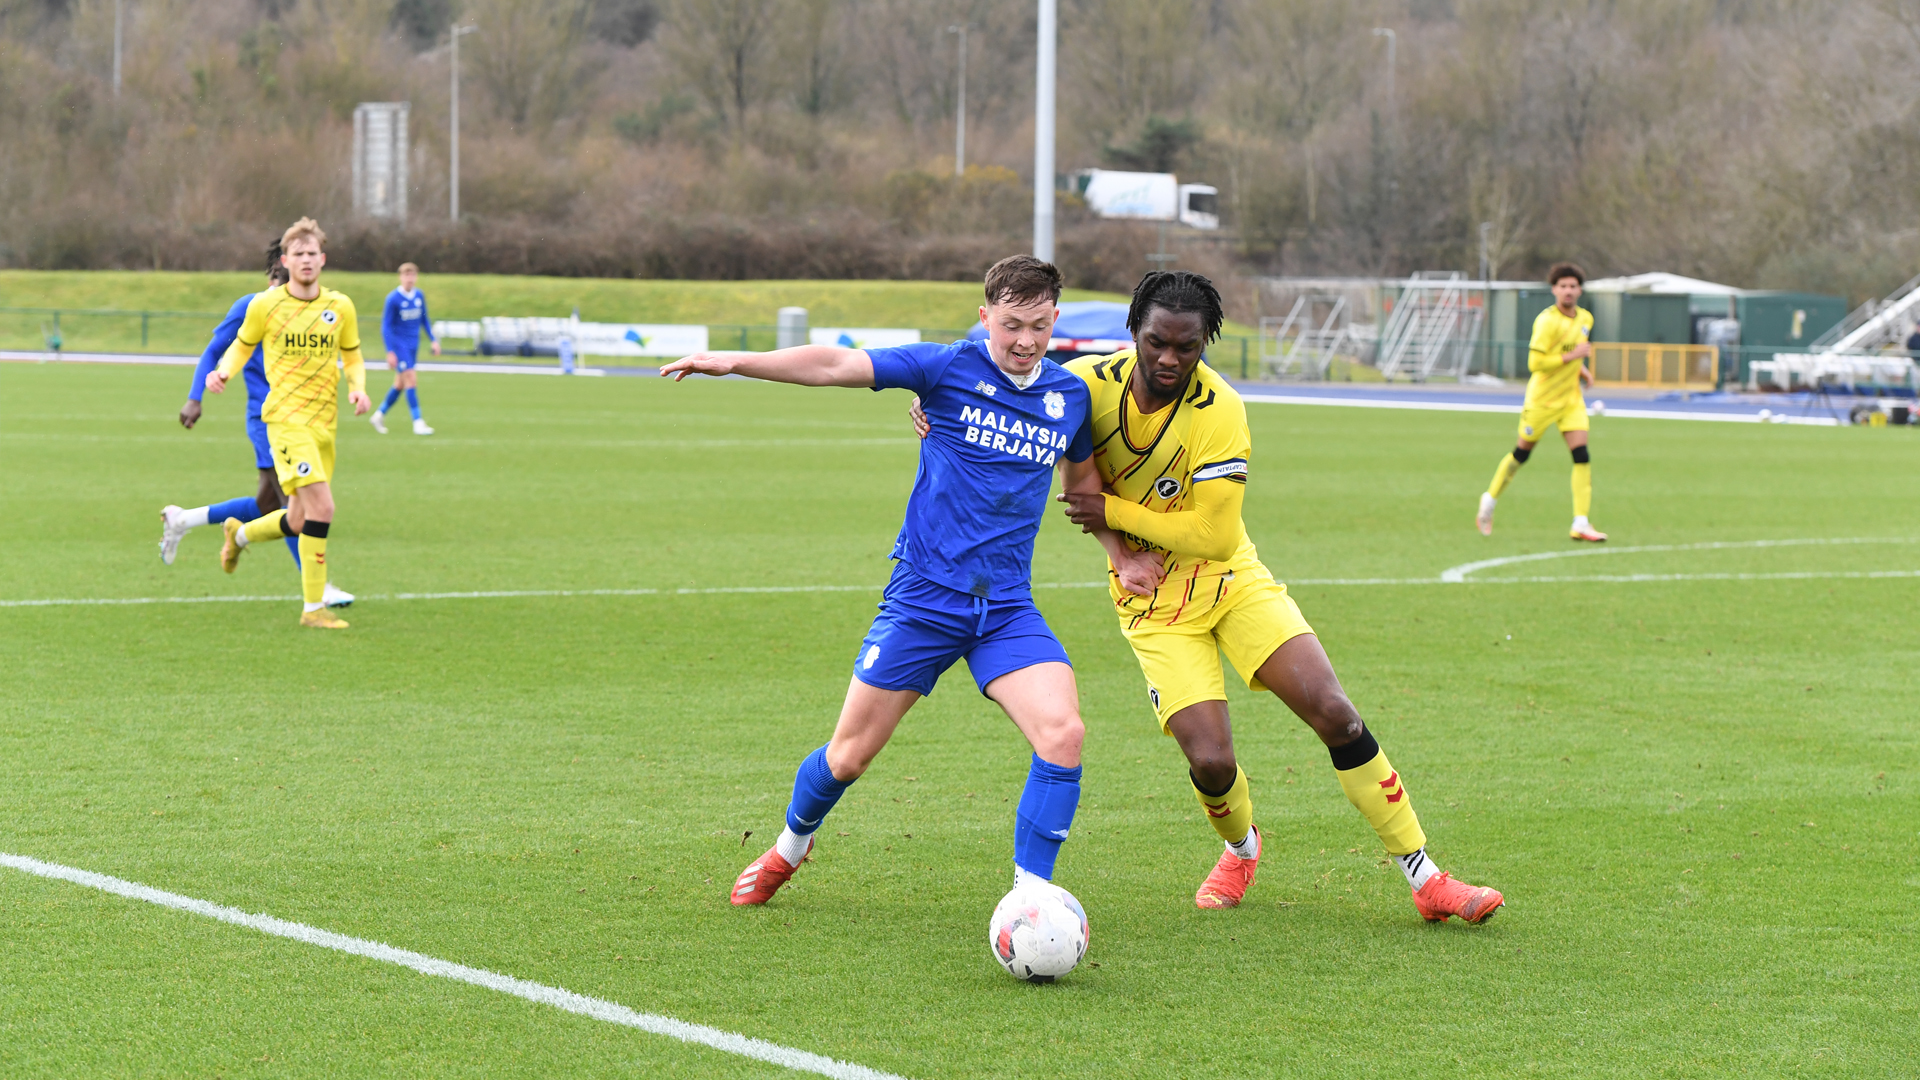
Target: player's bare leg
1300 674
1205 734
868 718
1043 701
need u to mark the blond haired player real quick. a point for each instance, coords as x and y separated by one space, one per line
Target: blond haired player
1171 444
1557 358
308 333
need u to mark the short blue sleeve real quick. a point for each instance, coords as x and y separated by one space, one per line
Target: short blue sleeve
915 367
1081 446
223 336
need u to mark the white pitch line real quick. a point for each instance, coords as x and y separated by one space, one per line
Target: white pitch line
1459 573
539 993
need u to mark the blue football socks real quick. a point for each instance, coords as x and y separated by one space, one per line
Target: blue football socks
293 545
413 401
814 793
246 509
393 395
1045 815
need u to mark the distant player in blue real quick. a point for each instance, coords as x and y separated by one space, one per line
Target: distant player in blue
961 583
176 522
401 324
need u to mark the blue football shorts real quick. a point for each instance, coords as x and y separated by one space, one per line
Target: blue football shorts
406 360
924 627
257 434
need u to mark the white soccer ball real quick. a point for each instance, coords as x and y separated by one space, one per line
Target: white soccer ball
1039 932
1598 408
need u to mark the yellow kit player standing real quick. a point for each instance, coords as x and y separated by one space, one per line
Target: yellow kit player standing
1557 358
308 334
1171 444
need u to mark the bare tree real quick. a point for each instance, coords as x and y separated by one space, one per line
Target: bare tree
725 50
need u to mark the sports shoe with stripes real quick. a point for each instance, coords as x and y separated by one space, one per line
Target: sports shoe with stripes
763 877
1442 896
1231 878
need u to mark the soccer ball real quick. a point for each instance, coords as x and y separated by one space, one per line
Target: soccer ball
1038 932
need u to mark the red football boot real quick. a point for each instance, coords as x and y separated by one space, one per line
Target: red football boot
764 876
1231 878
1442 896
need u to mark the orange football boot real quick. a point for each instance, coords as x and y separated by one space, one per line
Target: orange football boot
1231 878
1442 896
763 877
1588 533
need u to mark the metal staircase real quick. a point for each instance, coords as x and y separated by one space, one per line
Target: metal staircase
1874 324
1303 344
1432 330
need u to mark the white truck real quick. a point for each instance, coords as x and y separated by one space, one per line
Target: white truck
1149 197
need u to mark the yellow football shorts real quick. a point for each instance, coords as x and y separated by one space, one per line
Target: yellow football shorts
302 454
1182 661
1534 419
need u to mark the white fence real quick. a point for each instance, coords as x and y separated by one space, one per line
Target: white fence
500 336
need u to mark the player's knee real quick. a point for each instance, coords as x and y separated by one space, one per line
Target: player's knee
846 763
1580 455
1521 454
1214 770
1060 739
1335 720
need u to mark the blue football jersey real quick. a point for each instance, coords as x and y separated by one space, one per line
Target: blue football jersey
402 321
255 371
987 466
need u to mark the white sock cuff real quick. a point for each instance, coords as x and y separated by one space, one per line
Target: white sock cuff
792 845
1417 867
195 517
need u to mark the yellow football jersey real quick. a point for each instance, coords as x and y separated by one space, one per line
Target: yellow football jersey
1155 460
303 341
1555 383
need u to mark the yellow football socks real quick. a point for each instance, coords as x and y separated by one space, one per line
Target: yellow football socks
265 528
313 568
1582 489
1508 466
1374 788
1230 813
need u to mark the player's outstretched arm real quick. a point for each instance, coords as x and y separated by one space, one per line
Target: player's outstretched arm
802 365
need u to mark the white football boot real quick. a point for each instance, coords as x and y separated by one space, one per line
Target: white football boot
378 418
172 530
1484 519
336 597
420 428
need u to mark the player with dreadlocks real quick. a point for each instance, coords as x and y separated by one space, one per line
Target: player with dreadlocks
1171 444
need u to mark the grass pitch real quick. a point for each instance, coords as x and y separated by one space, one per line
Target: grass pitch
1698 794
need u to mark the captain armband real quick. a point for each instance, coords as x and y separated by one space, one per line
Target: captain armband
1231 469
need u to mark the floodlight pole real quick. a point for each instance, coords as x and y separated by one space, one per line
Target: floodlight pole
1043 132
453 126
1393 105
1485 267
116 48
960 115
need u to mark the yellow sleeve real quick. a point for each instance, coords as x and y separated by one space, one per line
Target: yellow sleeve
1543 351
1212 528
350 359
253 327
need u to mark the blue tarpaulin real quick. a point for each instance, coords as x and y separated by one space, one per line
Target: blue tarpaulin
1082 320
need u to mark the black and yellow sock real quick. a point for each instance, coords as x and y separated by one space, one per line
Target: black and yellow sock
1373 787
1230 812
313 563
1503 474
266 527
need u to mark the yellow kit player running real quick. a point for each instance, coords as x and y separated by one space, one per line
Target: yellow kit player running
308 333
1557 358
1171 444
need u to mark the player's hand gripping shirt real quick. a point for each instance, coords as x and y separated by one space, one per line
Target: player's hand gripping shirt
255 370
987 465
402 321
1178 478
303 341
1555 383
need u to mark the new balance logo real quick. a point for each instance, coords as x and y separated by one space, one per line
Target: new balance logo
984 387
